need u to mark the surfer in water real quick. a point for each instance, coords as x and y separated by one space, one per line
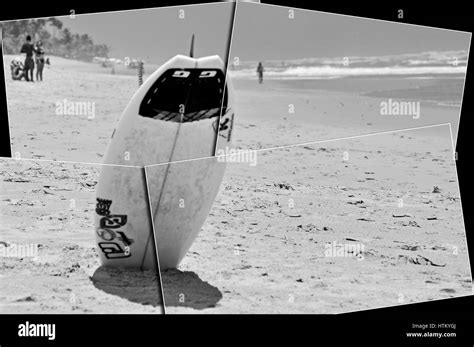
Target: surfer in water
28 50
260 72
39 59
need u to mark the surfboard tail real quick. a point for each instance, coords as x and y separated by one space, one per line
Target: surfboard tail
191 51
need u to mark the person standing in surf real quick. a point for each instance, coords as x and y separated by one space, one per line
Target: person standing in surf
28 50
39 59
260 72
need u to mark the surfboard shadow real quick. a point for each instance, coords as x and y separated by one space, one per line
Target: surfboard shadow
186 289
137 286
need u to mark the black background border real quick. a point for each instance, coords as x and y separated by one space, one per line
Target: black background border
378 326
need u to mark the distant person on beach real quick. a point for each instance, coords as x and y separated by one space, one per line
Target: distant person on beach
28 50
39 59
260 72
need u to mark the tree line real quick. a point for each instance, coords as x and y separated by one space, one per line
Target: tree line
57 40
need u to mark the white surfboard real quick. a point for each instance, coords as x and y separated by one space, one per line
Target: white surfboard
173 116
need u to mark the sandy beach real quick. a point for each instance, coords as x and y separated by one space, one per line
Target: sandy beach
262 248
324 114
38 132
335 112
257 254
51 206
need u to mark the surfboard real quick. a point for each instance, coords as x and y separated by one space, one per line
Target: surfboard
178 114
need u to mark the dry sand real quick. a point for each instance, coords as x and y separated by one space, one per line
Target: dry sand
52 205
36 130
255 253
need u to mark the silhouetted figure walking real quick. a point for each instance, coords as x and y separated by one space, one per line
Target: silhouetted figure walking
260 72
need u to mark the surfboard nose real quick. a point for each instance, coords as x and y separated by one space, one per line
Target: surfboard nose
213 61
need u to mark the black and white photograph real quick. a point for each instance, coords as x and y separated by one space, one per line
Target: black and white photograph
85 75
48 212
329 227
302 76
216 166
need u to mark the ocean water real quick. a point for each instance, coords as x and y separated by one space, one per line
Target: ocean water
435 77
419 64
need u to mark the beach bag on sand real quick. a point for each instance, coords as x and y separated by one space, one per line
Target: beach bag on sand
17 69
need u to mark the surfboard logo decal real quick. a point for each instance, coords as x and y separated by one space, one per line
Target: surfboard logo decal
113 250
106 234
113 221
110 235
103 207
122 237
225 127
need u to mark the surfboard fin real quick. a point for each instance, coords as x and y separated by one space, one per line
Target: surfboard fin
191 52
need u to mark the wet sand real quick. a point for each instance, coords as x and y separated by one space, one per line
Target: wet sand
295 114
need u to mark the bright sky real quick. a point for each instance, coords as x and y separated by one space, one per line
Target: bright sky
261 32
264 32
159 34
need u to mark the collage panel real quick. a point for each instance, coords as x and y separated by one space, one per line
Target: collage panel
302 76
322 228
75 238
133 189
181 197
118 87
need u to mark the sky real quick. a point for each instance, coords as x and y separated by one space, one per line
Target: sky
264 32
261 32
158 34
